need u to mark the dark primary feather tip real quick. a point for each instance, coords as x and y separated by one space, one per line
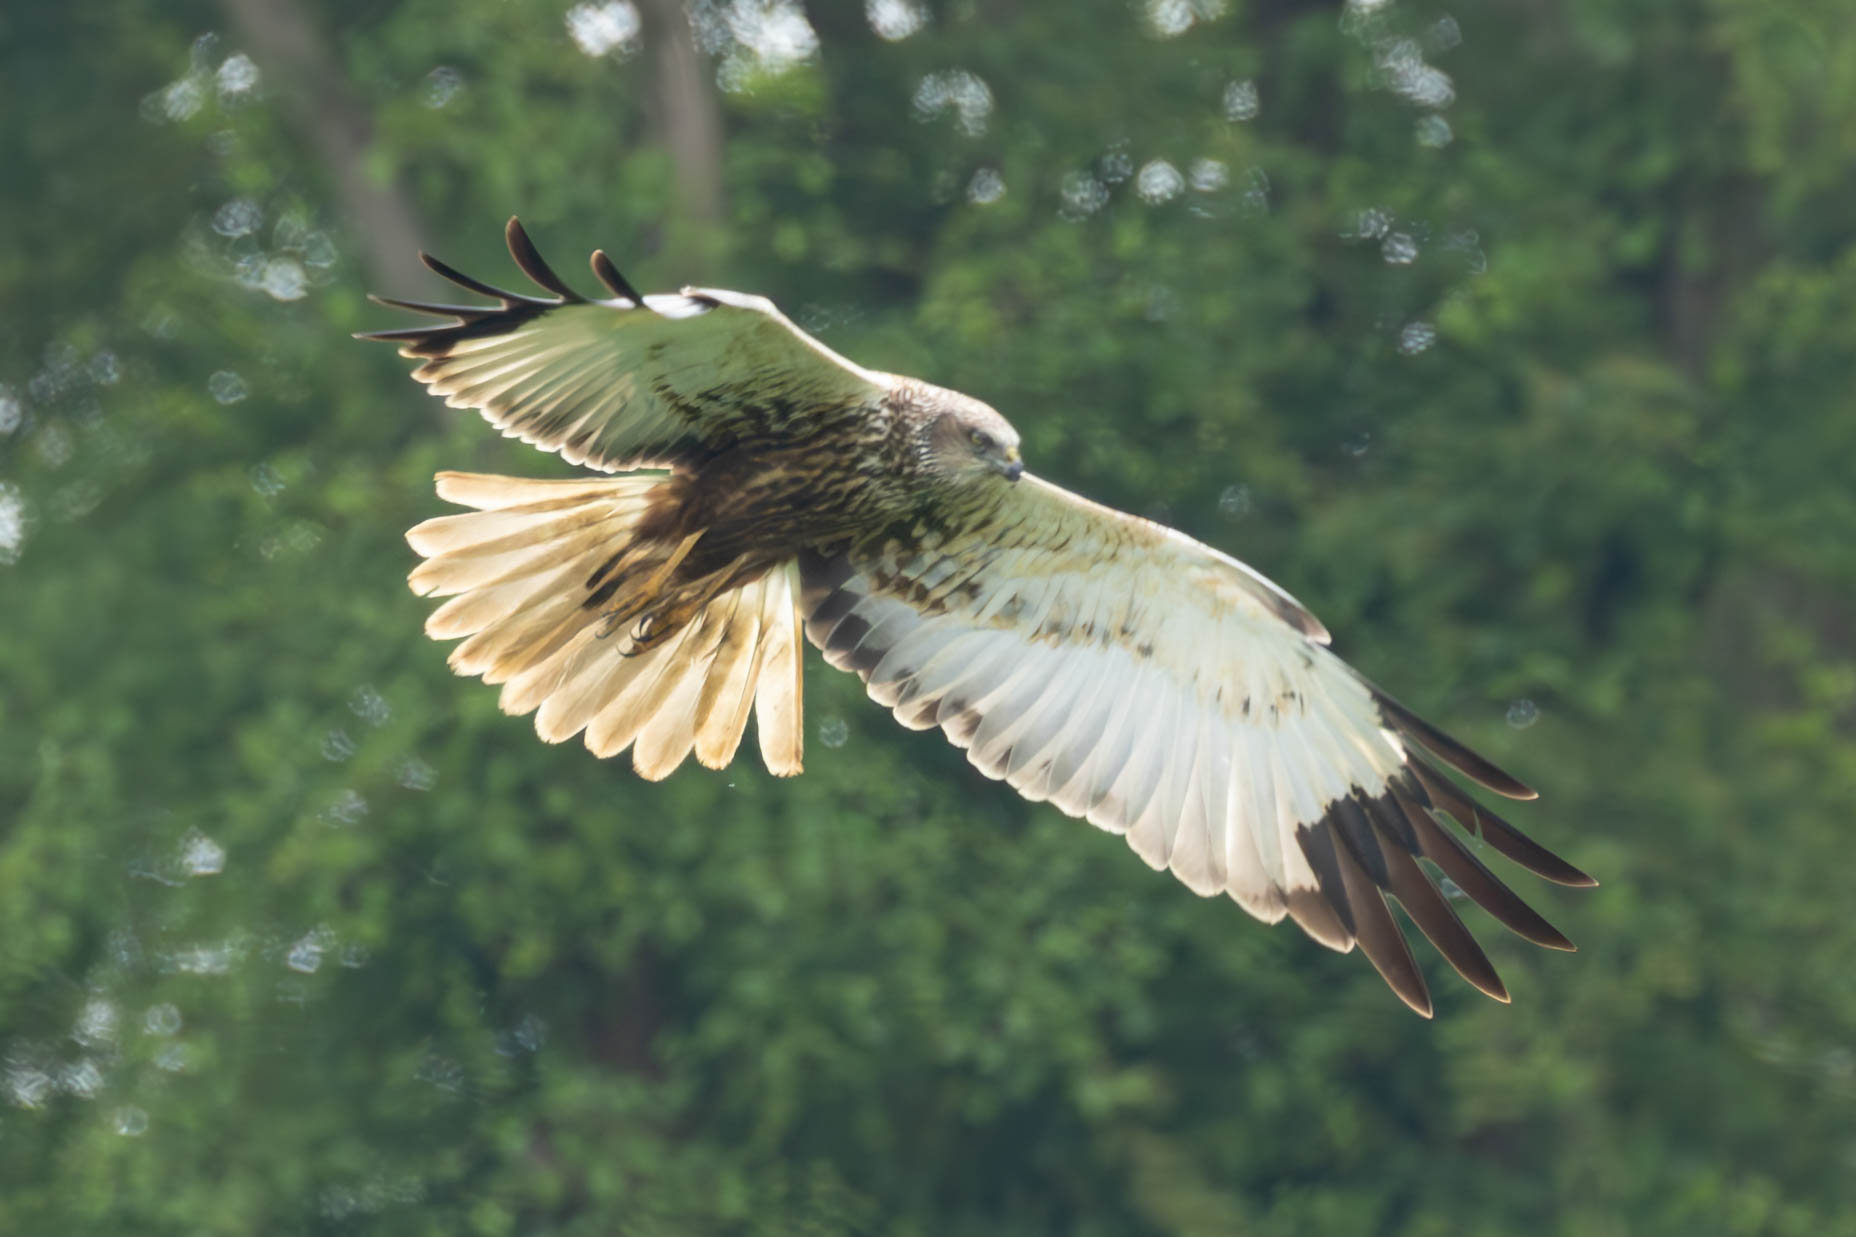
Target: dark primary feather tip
1476 768
1378 935
1473 877
396 334
523 250
429 307
1426 907
444 270
1356 833
1317 842
608 274
1498 833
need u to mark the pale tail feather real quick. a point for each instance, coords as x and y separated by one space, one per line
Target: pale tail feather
515 571
779 698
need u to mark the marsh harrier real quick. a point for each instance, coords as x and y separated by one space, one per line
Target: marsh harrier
1118 669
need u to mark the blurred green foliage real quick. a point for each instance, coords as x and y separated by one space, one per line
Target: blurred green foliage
1518 343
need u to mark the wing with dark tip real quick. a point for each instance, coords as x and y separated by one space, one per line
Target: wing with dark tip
1166 692
629 381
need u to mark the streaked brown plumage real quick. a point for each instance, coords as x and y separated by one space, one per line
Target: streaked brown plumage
1119 669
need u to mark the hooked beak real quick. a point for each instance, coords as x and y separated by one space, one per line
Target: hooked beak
1014 466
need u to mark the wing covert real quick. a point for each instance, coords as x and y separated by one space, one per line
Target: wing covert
1164 691
629 381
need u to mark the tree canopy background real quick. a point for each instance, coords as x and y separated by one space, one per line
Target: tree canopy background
1516 340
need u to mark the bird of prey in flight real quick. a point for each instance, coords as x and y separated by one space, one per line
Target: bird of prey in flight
767 486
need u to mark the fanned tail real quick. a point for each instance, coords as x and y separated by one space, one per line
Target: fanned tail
561 602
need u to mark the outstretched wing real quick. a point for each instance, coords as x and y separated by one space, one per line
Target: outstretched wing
1162 690
631 381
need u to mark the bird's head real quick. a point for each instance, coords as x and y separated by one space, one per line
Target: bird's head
968 440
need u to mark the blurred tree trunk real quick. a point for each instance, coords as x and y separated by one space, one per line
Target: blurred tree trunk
689 120
287 46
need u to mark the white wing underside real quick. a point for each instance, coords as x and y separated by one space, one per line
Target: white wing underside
1125 673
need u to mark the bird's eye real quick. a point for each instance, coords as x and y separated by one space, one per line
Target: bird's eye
980 439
